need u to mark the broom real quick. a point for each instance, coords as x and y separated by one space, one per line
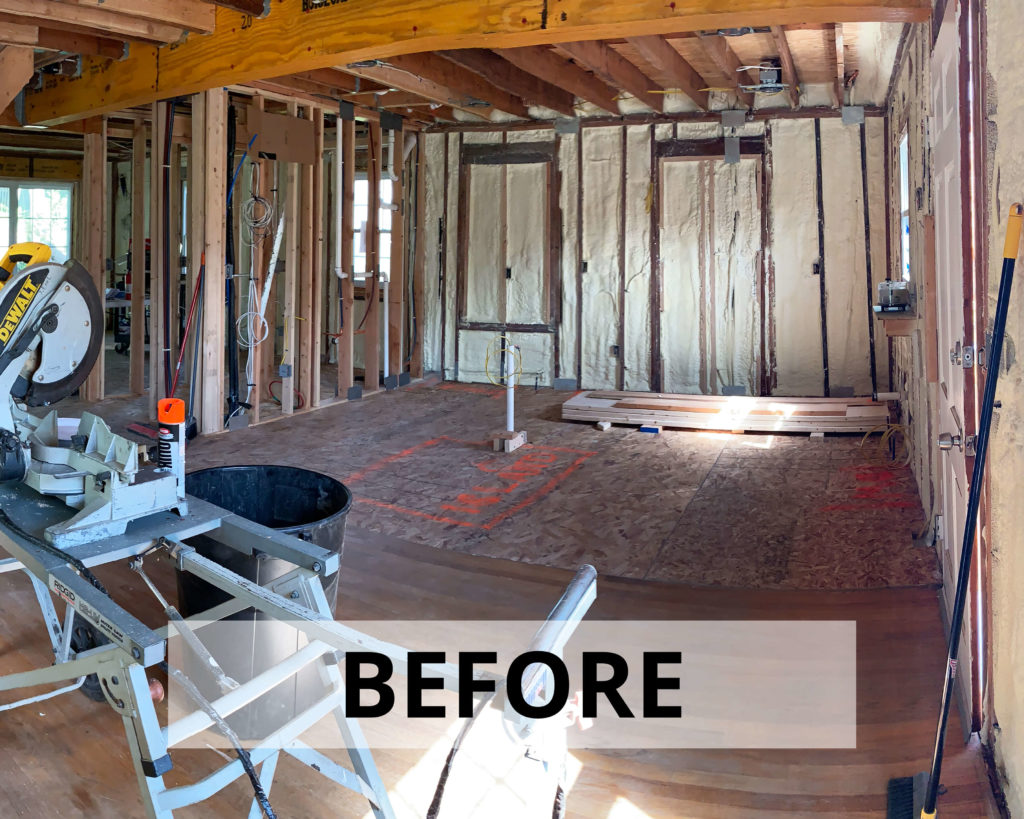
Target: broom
913 797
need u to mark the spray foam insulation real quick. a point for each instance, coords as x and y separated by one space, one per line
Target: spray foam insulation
637 304
430 329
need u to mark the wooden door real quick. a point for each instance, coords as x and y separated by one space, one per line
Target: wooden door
949 267
712 321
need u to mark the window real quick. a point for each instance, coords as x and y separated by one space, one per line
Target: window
361 209
905 207
34 212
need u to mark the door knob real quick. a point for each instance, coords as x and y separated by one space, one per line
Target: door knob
947 440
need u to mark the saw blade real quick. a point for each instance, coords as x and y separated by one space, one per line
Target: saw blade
68 349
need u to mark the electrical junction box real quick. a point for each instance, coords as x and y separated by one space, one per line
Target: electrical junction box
284 371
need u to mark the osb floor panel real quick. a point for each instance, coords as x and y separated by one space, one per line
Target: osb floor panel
68 756
744 511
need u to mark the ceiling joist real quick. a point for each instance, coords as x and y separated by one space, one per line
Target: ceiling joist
789 74
512 79
391 77
660 54
617 71
543 62
101 21
837 57
16 67
726 61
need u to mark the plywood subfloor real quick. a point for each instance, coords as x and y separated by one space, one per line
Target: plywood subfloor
743 511
67 757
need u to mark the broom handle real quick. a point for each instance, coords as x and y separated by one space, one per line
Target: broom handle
993 356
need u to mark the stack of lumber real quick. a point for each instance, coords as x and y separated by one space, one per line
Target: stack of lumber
730 413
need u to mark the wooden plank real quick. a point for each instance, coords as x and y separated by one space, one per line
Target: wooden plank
837 59
215 192
789 73
80 43
725 59
289 295
304 273
467 83
545 63
617 71
342 33
616 395
316 306
105 22
502 74
423 86
261 259
94 198
371 321
727 413
197 240
156 256
660 53
396 285
346 342
19 34
137 345
193 15
16 69
420 258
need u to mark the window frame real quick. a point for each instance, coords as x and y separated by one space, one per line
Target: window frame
903 167
15 183
359 279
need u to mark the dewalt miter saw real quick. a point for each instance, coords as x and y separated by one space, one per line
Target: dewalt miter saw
51 332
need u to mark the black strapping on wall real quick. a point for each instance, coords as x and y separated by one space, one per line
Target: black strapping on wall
821 256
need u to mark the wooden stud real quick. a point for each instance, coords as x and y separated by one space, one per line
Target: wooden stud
94 197
346 355
837 58
292 238
419 236
261 261
617 71
725 59
501 73
305 277
316 310
396 284
341 34
215 200
137 345
660 53
371 322
789 73
197 242
16 68
156 256
175 241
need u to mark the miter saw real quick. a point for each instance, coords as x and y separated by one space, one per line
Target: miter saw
51 332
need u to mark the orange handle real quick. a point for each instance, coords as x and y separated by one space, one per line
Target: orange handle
1013 226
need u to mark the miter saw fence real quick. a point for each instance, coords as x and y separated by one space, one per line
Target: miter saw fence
51 332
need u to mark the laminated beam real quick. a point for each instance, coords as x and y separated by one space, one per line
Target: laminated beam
543 62
617 71
725 59
16 69
111 23
428 89
660 53
215 199
512 79
344 33
789 73
94 247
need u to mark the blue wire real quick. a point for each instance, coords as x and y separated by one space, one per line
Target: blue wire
238 169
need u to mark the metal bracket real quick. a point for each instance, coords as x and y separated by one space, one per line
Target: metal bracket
968 357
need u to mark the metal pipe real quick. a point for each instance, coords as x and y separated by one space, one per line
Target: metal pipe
1013 231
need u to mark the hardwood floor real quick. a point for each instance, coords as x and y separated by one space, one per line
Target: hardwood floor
68 757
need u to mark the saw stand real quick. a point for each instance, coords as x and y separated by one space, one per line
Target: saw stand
296 598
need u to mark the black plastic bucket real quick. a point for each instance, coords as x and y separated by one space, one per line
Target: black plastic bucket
297 501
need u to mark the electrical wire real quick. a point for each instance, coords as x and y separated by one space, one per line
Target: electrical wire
880 452
257 210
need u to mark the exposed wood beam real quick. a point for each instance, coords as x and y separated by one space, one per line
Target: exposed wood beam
18 34
512 79
16 68
543 62
343 33
728 63
468 83
74 43
105 22
254 7
420 86
837 58
789 75
616 70
193 15
338 80
660 53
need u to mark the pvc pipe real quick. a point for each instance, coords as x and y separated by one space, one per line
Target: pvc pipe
391 158
338 204
384 297
510 389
